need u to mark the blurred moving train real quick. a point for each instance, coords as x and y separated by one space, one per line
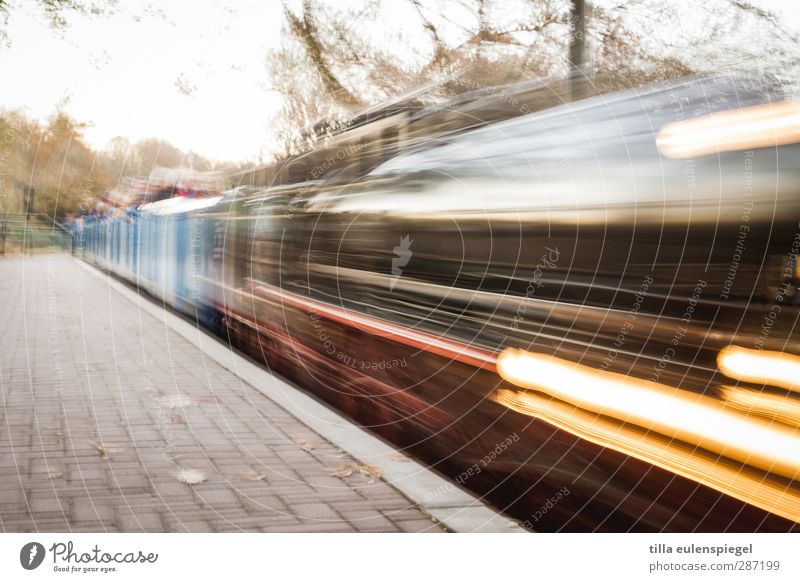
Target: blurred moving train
598 297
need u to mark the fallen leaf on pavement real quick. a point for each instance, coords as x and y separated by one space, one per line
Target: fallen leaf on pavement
106 449
252 476
177 401
343 471
370 471
305 444
190 476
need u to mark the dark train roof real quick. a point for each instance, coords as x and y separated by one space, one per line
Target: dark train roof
617 125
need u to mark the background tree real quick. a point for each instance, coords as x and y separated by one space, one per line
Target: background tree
335 58
56 11
65 172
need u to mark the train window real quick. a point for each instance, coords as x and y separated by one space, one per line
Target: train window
240 230
390 143
297 172
267 222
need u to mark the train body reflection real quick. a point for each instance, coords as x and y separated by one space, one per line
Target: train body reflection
571 279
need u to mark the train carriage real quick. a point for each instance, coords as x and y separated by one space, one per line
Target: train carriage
611 284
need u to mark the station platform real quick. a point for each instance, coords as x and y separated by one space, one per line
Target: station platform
118 415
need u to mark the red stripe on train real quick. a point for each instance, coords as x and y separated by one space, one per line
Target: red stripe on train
454 350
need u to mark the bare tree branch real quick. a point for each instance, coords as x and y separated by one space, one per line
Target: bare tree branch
440 53
305 31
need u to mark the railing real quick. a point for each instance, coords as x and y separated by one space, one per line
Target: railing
33 233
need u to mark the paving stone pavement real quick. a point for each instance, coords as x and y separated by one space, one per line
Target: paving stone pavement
103 406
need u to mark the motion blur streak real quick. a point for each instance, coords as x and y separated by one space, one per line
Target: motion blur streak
750 128
387 268
742 482
781 407
454 350
760 367
697 420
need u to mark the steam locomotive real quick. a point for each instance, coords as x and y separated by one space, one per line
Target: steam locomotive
595 299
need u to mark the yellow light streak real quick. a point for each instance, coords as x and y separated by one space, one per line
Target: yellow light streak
693 418
781 407
730 478
760 367
761 126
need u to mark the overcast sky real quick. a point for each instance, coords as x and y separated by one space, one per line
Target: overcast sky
190 72
129 74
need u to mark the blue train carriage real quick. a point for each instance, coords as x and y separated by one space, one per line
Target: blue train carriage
221 256
101 242
125 263
115 243
154 257
173 254
95 247
202 269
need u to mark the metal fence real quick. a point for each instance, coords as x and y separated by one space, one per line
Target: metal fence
35 233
